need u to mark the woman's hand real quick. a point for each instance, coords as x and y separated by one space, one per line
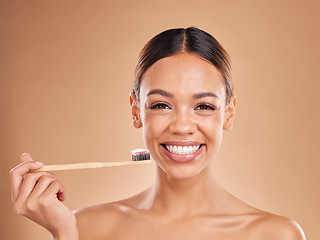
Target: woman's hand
38 196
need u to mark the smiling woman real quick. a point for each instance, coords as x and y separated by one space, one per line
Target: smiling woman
183 100
182 103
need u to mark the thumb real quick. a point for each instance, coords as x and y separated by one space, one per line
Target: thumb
25 157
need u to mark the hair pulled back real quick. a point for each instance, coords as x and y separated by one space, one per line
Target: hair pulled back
184 40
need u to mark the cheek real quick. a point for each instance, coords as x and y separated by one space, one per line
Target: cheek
153 127
212 128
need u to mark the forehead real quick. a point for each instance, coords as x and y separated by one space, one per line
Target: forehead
183 73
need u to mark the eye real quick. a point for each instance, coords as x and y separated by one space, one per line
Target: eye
206 106
159 106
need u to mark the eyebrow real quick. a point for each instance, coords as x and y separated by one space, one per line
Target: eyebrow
170 95
205 94
160 92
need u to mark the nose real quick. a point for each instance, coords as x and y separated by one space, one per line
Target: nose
183 123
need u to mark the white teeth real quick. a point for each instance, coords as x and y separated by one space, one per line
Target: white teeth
179 150
182 150
185 150
174 149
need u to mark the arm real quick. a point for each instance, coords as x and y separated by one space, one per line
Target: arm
38 196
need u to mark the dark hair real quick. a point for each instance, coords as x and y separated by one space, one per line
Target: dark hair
181 40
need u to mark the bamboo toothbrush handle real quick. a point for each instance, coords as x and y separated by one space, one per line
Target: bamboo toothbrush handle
87 165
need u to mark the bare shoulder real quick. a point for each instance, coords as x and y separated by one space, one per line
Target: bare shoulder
105 221
98 222
271 226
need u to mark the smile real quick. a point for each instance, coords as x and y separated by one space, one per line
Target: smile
182 151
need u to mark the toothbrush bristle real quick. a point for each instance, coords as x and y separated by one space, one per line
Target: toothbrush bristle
140 154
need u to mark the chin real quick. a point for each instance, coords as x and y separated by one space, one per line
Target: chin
182 172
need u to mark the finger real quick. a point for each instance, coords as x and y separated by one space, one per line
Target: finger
42 184
17 173
62 196
29 183
55 189
25 157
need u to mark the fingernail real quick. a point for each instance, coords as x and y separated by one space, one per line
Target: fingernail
40 163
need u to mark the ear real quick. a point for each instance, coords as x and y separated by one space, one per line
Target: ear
230 113
135 111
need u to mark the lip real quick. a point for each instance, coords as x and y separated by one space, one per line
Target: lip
182 143
182 158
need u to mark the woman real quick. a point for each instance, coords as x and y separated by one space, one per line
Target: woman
183 100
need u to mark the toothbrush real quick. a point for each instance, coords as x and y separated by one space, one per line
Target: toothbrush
139 157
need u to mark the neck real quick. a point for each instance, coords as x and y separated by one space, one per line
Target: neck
179 198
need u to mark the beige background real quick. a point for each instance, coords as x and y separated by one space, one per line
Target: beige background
66 69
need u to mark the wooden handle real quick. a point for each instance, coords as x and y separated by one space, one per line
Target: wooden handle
87 165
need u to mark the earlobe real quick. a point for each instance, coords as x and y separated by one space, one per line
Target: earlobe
230 113
137 122
135 111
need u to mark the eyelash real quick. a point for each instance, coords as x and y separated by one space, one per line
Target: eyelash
159 106
207 106
198 107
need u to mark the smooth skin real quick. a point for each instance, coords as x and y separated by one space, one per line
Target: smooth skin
182 101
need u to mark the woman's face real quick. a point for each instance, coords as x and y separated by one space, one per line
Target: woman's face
183 112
